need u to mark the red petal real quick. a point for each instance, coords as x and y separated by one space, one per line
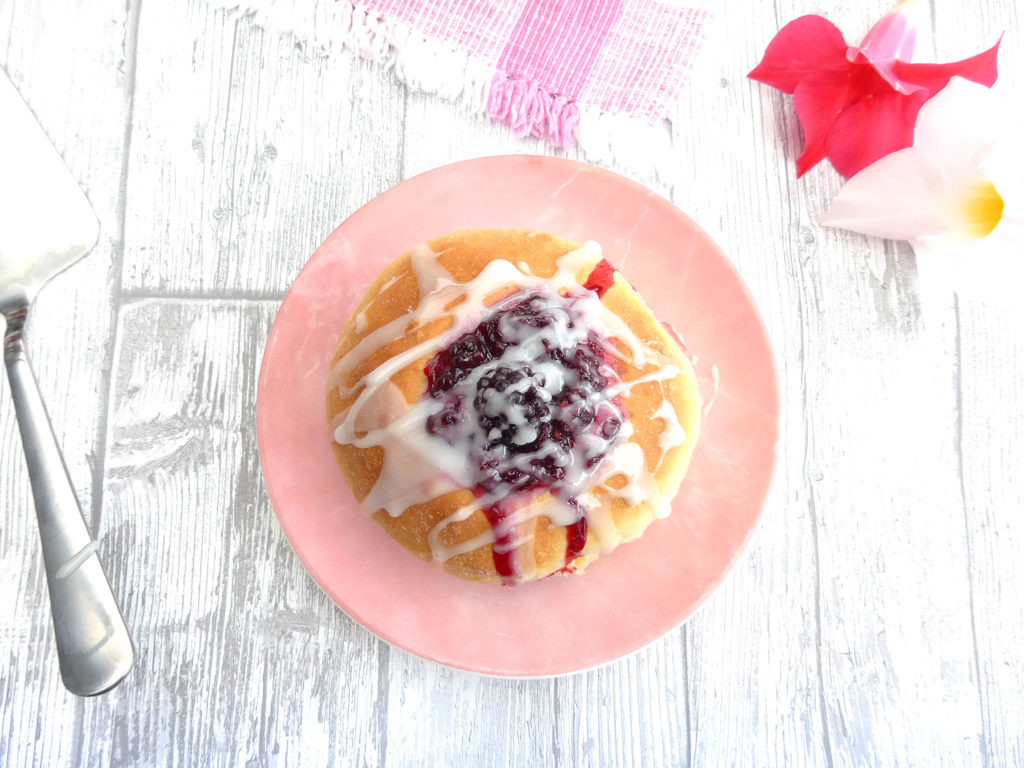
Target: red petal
803 47
934 77
878 124
819 100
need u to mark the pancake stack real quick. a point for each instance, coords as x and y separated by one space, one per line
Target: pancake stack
505 404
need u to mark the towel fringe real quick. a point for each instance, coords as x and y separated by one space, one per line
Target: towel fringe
530 110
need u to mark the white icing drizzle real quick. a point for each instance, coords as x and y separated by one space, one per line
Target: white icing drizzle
672 435
361 320
418 467
361 323
714 390
664 373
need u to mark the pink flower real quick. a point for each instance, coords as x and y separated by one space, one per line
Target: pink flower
957 195
857 104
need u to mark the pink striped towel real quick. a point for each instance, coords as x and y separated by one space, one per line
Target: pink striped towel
549 68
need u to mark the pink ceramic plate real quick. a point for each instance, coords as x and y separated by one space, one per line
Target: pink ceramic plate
627 598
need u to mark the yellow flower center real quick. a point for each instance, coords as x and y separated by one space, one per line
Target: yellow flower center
979 210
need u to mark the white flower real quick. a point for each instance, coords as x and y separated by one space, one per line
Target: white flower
957 195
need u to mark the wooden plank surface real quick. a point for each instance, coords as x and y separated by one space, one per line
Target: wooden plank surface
988 344
875 619
232 615
247 149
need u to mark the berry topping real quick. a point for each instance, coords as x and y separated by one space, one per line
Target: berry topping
601 278
525 395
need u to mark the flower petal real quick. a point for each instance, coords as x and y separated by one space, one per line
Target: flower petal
891 38
880 123
960 126
819 100
982 68
803 47
901 197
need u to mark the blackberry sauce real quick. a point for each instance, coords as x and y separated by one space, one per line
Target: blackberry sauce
524 393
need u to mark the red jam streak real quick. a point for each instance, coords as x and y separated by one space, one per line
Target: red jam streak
505 561
507 468
576 540
601 278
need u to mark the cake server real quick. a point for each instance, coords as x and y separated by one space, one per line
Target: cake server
46 224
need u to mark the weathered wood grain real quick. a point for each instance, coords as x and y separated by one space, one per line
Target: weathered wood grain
70 67
896 647
240 656
989 432
248 149
437 133
875 619
753 672
896 670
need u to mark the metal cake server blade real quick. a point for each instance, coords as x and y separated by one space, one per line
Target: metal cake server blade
47 224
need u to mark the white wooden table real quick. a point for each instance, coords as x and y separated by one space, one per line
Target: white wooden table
876 619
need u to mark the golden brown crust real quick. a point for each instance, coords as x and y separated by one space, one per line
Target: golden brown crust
464 254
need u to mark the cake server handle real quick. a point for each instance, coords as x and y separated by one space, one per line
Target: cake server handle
93 645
